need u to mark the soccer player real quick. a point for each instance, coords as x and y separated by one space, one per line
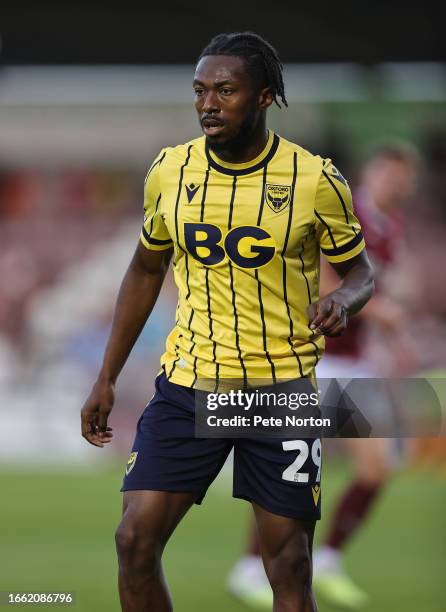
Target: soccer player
245 214
388 182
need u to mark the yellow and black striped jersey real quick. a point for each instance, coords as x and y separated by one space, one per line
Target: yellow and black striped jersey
247 241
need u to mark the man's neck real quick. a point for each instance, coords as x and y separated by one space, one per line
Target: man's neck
247 151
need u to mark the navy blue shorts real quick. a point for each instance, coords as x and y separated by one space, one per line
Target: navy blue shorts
282 476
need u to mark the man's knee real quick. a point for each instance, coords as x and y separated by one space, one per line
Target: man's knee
291 568
137 549
373 460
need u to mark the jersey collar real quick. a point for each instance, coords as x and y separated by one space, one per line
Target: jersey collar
246 168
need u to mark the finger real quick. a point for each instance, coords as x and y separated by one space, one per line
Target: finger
105 436
88 416
96 428
97 437
102 438
338 330
336 316
93 439
89 426
321 327
98 431
323 310
102 418
86 427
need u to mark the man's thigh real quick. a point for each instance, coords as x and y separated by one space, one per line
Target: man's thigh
153 515
281 476
279 533
166 455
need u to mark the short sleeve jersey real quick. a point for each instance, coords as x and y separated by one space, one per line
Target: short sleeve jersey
247 240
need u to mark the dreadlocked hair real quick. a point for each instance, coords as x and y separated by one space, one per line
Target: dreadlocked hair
261 58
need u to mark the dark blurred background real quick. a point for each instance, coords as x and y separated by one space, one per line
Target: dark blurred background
175 32
89 93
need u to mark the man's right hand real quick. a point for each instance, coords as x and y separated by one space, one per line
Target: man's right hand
95 412
137 296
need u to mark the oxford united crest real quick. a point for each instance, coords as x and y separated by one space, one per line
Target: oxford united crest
131 463
277 196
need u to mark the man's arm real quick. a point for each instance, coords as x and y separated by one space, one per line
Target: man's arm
381 310
329 315
137 296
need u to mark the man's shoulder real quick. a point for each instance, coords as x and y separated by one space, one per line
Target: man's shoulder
179 154
322 167
312 160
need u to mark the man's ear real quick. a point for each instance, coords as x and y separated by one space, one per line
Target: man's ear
265 98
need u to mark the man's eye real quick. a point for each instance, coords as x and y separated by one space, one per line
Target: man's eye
198 92
226 91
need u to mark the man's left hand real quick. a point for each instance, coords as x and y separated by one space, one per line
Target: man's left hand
328 316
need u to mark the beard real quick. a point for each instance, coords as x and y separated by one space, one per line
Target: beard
238 141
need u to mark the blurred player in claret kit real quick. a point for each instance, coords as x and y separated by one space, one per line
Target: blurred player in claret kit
245 214
388 182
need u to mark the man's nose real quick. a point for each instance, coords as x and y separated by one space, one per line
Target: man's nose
211 104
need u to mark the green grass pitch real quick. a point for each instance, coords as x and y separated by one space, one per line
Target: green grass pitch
56 533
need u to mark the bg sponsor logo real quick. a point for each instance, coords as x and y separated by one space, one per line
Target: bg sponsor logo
247 246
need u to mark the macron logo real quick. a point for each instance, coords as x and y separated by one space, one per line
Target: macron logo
191 190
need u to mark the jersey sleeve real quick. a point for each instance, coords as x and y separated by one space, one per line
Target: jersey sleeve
338 231
154 233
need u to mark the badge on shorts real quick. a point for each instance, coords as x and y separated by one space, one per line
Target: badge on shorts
277 196
131 463
316 490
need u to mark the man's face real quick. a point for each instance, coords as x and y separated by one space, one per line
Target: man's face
391 182
228 103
